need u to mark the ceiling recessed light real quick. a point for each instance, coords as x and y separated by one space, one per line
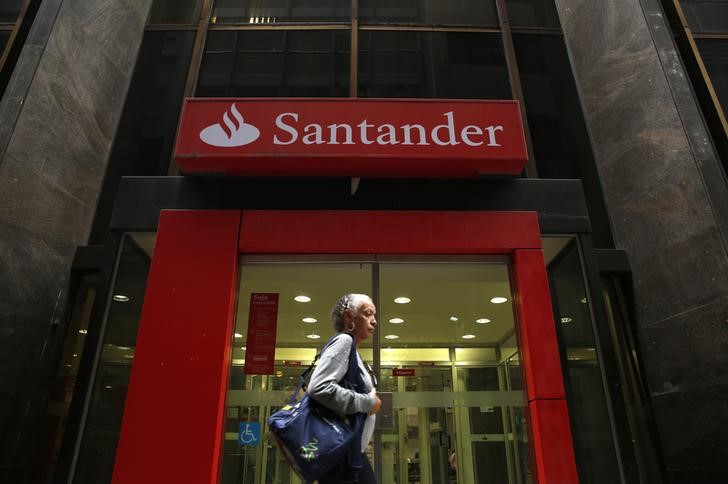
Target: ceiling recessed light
238 335
482 321
583 300
591 349
498 300
396 320
392 336
82 331
302 298
120 298
566 320
402 300
468 336
453 318
309 320
312 336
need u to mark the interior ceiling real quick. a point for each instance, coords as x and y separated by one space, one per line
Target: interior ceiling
438 290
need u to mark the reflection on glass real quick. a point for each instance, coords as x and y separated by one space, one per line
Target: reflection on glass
9 10
432 64
440 12
175 12
714 53
275 63
706 16
593 444
277 11
98 447
533 13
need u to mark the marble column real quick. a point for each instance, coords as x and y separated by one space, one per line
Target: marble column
57 124
667 198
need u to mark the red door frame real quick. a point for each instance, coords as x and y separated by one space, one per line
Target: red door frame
172 429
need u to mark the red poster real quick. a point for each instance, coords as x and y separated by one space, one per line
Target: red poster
403 372
261 342
414 138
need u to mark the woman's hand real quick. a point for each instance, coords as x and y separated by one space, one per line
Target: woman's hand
377 402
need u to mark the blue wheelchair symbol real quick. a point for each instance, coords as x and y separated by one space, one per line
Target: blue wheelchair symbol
248 433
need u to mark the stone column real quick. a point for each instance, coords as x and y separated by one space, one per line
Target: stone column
667 197
57 123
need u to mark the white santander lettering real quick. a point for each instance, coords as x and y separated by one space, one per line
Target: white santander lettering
450 127
333 130
388 136
314 135
407 128
448 133
287 128
491 134
468 131
363 132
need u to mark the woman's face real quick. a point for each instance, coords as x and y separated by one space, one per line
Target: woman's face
364 321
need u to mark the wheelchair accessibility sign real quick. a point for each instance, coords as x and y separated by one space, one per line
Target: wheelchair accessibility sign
248 433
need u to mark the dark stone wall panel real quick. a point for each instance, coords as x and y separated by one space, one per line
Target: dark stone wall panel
674 348
701 449
57 133
668 202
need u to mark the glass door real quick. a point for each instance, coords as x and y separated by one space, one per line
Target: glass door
444 348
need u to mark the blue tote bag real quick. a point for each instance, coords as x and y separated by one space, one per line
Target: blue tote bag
314 438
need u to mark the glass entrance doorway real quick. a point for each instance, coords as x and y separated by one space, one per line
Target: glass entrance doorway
445 349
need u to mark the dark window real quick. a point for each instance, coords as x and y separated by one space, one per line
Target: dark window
533 13
558 131
706 15
175 12
276 63
106 408
145 137
276 11
9 11
593 444
4 36
715 57
440 12
432 64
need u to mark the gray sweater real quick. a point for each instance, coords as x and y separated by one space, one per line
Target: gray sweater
324 385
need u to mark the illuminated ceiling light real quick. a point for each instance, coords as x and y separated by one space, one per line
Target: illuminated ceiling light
83 331
238 335
392 336
302 298
108 387
566 320
75 355
591 349
120 298
402 300
583 300
453 318
396 320
243 347
468 336
482 321
309 320
498 300
312 336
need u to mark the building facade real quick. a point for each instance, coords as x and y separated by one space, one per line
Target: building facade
132 289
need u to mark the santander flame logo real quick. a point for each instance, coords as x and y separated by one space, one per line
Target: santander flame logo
234 132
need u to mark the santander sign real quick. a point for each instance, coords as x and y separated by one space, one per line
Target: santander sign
350 137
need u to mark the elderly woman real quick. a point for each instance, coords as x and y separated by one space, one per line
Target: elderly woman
354 314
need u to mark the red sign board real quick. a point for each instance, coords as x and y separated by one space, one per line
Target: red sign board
403 372
261 342
351 137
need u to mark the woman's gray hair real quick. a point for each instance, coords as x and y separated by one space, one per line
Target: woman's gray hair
347 302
